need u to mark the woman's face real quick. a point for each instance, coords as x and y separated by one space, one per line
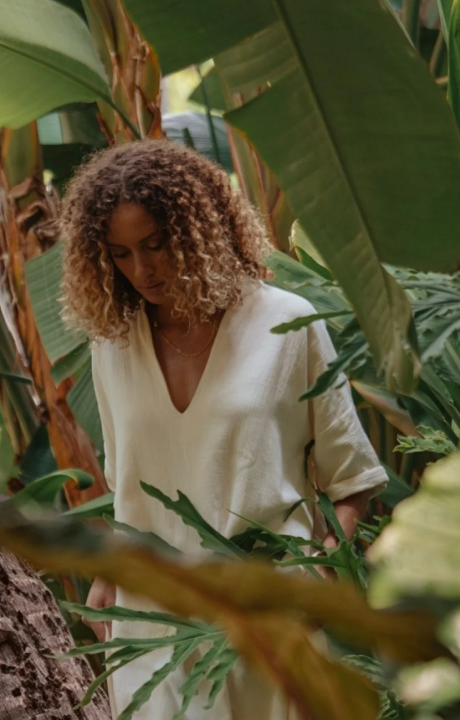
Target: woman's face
137 249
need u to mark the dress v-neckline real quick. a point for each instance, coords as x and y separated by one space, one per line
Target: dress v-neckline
148 337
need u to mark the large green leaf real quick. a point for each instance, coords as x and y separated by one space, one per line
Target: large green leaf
38 460
354 129
396 490
47 59
66 137
45 489
70 363
43 275
195 126
67 349
183 33
83 404
295 277
76 123
388 159
212 85
75 5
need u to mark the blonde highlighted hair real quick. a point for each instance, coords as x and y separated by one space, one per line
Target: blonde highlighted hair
214 237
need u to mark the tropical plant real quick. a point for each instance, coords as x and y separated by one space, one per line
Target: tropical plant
218 658
324 148
82 400
416 561
435 301
275 39
265 615
26 231
254 543
282 45
131 111
255 179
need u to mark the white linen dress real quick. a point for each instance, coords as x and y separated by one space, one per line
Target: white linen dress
238 447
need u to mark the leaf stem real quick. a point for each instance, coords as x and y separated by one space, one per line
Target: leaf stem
212 130
411 13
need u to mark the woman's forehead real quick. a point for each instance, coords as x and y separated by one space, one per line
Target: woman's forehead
131 221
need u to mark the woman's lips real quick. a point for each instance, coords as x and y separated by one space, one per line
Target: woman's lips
152 286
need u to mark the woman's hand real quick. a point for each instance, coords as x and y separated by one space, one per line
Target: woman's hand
328 573
101 595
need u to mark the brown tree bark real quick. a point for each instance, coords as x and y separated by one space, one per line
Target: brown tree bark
33 686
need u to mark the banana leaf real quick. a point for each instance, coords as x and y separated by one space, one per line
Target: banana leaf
192 128
47 59
354 129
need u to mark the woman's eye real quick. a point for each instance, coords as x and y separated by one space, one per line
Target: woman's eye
154 248
119 256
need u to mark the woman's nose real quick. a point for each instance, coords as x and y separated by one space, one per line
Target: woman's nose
141 271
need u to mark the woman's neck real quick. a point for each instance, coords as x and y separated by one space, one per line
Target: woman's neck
163 314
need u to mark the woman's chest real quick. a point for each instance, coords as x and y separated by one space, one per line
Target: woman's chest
182 376
240 387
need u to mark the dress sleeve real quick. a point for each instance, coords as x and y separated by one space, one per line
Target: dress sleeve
105 414
344 457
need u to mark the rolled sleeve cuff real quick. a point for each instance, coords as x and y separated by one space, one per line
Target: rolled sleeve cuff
374 480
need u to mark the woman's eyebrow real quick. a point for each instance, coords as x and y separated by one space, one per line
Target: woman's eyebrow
154 233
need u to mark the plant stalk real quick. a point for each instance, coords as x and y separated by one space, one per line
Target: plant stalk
212 130
411 14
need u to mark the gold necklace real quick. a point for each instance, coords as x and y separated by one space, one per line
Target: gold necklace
178 350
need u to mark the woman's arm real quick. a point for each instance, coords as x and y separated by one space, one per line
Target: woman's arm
348 511
346 466
100 596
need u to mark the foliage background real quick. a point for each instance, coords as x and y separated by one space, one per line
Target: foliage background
395 329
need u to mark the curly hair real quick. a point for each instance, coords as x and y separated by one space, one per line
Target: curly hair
214 237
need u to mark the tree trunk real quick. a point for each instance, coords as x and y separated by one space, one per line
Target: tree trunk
33 686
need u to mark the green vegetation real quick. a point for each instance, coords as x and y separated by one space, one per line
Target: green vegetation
335 122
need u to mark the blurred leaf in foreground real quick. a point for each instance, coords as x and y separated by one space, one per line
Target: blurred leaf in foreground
418 554
264 612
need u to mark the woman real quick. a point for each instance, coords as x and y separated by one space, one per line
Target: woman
163 269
